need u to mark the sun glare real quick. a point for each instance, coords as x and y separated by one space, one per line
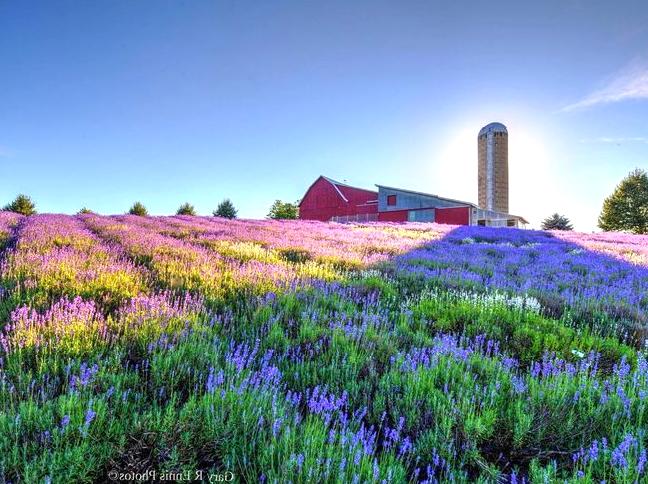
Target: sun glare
454 170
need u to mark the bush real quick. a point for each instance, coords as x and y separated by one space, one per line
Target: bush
283 210
22 204
84 210
226 209
557 222
186 209
138 209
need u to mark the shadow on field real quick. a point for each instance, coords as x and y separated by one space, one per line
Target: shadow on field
604 292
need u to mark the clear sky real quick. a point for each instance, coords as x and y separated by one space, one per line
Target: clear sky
106 102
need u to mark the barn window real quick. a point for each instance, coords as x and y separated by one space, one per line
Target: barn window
391 200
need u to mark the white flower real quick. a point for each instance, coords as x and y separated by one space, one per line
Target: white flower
579 354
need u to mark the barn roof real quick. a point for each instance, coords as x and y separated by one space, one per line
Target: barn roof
459 202
336 184
340 184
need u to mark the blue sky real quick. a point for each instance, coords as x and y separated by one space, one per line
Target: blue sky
105 103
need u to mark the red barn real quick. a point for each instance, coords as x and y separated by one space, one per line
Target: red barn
326 199
329 200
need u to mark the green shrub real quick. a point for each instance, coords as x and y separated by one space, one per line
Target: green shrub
138 209
22 204
226 209
186 209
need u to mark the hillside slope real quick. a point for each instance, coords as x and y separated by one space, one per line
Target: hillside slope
292 351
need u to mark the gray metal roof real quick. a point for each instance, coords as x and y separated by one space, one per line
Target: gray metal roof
459 202
493 128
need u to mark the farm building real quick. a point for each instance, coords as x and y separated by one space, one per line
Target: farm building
326 199
329 200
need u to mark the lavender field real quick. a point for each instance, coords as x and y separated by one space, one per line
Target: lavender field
293 351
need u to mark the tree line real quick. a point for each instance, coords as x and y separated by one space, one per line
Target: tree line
24 205
625 210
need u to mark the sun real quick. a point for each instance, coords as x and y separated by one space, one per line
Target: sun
453 172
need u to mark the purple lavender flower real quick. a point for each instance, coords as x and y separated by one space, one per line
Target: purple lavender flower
89 417
593 452
276 427
619 455
518 383
641 463
214 381
513 477
65 421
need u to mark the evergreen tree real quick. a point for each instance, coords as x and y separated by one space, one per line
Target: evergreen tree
84 210
283 210
186 209
22 204
627 208
557 222
226 209
138 209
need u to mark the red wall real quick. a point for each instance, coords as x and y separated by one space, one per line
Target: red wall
453 215
393 216
322 201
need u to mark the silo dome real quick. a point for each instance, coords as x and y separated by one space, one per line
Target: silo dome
493 128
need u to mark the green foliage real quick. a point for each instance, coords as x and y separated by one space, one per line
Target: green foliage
186 209
524 334
226 209
138 209
627 208
176 390
294 254
22 204
557 222
84 210
283 210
